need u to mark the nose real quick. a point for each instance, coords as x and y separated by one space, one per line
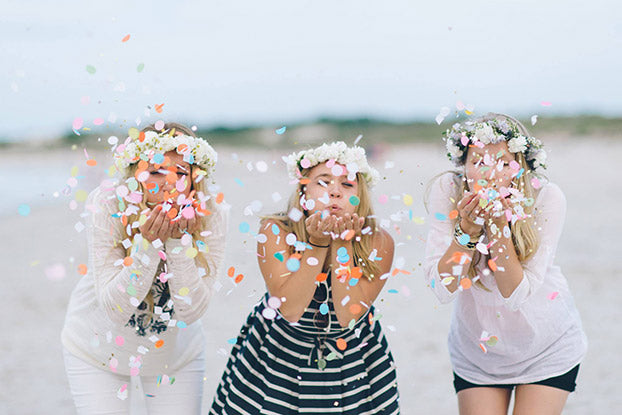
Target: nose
334 191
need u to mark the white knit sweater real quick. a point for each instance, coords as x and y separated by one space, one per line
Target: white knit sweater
104 325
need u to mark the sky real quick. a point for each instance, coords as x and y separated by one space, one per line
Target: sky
233 63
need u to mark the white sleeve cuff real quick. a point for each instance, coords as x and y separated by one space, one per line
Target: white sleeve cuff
518 296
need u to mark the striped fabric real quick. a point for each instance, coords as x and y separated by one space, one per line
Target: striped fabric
280 368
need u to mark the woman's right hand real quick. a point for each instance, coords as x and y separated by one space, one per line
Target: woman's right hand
157 226
316 228
468 211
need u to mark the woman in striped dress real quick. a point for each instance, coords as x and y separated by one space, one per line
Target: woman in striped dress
313 343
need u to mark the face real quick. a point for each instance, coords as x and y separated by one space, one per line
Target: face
167 180
331 192
489 166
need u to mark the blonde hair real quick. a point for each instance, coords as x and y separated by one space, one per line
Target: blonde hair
361 249
524 236
205 221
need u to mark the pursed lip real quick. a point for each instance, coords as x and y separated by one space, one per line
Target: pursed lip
334 207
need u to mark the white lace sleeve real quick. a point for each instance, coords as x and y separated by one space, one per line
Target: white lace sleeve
191 285
550 212
119 287
440 233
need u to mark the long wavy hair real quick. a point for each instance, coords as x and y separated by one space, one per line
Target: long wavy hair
524 236
200 187
361 249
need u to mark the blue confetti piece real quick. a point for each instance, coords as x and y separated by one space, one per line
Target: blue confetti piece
393 291
232 340
158 158
440 216
244 227
275 229
354 201
293 264
23 209
464 239
353 282
281 130
432 284
342 251
520 173
279 256
181 325
324 308
155 190
238 181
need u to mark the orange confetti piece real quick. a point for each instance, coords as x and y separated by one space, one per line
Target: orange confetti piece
124 220
370 318
460 257
125 38
82 269
492 265
395 272
349 235
182 148
342 344
159 343
142 165
171 213
231 272
171 177
220 197
239 278
356 272
158 108
465 283
128 261
141 137
305 181
355 308
453 214
321 277
91 162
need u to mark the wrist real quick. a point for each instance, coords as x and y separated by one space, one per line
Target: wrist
319 242
474 231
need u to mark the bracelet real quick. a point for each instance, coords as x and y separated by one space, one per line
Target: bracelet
318 246
459 237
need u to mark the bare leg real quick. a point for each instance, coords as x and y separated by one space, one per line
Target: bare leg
539 400
484 401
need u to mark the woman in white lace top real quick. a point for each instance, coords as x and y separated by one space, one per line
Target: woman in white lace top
494 230
155 244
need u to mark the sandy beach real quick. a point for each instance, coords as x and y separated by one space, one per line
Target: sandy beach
41 251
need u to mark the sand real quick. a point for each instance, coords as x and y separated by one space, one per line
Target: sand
34 302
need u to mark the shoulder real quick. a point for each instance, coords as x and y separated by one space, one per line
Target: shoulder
550 196
383 240
102 199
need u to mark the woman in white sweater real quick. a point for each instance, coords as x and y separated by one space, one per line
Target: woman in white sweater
494 230
155 243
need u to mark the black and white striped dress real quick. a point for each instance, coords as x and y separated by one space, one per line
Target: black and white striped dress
280 368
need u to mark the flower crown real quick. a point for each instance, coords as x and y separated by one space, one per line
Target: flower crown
151 146
480 133
352 157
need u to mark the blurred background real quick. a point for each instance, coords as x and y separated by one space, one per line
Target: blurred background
262 79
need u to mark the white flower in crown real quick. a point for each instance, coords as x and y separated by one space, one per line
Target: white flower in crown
517 144
453 151
195 150
485 133
353 158
539 159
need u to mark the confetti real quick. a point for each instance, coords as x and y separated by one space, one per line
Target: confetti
281 130
553 295
90 69
125 38
82 269
23 209
140 67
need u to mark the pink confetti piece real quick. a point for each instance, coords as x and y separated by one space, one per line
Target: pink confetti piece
77 123
98 121
546 103
553 295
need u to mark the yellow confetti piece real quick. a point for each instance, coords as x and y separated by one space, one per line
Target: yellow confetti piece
112 170
191 252
119 308
81 195
419 220
183 291
133 132
74 171
408 200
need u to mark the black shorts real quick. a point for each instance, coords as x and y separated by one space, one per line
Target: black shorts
566 382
